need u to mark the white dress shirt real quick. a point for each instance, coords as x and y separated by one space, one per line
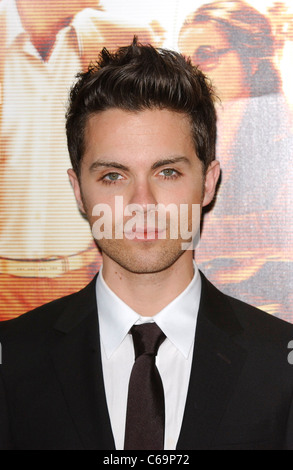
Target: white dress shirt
178 321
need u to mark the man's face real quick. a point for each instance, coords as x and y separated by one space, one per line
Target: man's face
144 158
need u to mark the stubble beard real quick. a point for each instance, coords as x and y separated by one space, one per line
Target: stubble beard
145 259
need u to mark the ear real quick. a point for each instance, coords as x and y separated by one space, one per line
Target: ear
211 180
75 183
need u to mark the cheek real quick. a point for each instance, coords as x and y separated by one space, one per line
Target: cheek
94 202
192 192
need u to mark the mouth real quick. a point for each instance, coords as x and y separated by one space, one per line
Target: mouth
145 234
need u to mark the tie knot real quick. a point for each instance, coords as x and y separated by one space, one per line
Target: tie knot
147 339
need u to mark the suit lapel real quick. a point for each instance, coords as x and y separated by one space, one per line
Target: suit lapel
217 363
83 385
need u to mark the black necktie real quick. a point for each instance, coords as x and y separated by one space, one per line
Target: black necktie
145 417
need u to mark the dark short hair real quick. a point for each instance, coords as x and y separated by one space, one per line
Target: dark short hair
139 77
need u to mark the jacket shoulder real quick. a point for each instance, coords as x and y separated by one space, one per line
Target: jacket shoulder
27 340
236 316
37 319
259 321
264 335
46 316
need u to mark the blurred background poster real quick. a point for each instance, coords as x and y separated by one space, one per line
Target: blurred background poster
246 48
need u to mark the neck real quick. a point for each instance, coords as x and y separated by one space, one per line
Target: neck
42 23
147 294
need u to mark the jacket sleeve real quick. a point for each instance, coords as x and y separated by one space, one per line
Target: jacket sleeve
289 434
5 434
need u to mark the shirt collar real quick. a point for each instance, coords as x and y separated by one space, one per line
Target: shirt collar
177 320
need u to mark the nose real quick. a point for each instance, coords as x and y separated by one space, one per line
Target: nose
143 195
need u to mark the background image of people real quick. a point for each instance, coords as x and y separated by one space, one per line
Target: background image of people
45 251
245 48
234 45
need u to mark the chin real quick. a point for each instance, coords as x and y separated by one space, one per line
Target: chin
144 261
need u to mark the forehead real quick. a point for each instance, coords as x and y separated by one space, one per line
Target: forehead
137 136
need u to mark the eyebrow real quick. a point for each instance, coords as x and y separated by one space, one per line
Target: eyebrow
112 164
170 161
106 164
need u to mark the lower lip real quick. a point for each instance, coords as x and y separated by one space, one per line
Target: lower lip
145 236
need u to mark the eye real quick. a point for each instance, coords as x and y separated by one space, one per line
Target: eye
111 177
169 173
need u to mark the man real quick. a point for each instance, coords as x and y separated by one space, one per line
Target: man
49 41
141 129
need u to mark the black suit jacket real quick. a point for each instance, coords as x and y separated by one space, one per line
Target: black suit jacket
52 392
